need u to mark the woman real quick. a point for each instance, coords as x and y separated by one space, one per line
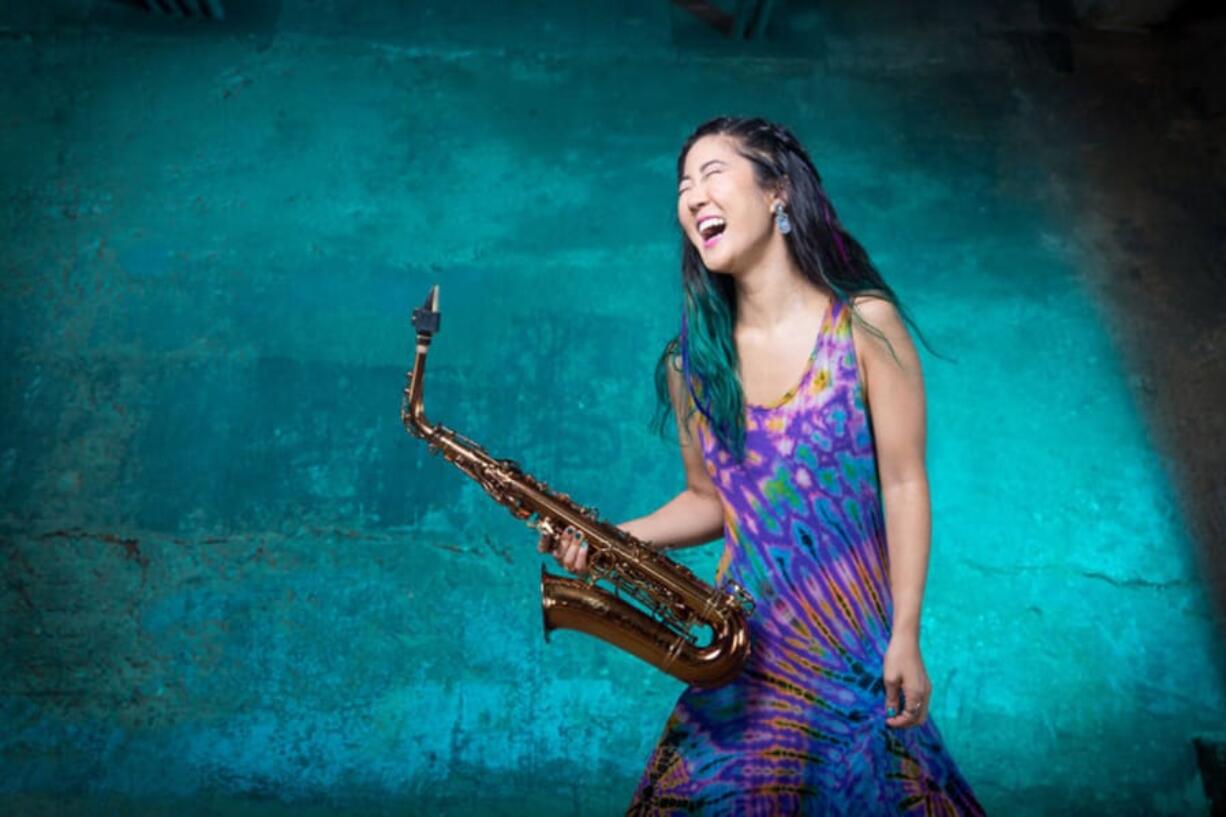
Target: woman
800 407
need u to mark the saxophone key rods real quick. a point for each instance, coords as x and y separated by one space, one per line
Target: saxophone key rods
678 603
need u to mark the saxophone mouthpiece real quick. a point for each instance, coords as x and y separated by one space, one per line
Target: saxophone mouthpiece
426 318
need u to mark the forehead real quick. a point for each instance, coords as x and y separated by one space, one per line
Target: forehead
713 146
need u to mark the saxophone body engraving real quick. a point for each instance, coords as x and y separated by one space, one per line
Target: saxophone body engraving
679 601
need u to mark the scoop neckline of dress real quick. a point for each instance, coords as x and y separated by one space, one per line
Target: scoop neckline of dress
788 395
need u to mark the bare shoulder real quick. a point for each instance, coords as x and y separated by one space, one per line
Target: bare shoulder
677 387
878 311
674 372
893 344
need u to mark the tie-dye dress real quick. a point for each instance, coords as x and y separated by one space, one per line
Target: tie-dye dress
802 731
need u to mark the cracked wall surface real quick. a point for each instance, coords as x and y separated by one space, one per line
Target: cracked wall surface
234 585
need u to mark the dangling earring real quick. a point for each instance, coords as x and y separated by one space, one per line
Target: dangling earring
781 219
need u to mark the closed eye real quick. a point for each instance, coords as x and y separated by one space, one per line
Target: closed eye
704 175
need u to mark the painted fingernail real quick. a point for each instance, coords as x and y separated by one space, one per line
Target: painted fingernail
891 712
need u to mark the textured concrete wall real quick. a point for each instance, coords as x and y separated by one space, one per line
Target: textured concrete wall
233 584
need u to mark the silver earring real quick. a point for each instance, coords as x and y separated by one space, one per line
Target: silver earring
781 219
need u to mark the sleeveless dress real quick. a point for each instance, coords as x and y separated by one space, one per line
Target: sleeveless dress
801 730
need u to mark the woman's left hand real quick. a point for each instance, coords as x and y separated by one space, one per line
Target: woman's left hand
903 669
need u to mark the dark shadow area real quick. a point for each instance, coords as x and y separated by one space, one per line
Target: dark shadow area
1147 183
254 18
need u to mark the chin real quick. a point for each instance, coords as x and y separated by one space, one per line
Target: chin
716 262
724 264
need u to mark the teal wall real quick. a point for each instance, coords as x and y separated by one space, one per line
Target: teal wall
234 585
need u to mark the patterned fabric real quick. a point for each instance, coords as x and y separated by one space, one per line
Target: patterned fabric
802 729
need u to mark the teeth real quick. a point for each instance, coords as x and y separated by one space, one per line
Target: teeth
707 223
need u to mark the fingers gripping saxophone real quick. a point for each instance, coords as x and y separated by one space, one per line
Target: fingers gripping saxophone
680 604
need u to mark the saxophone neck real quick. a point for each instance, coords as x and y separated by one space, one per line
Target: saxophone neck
412 412
426 320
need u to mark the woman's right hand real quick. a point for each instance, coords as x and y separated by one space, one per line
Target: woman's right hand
569 548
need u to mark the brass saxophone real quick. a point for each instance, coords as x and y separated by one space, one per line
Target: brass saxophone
674 595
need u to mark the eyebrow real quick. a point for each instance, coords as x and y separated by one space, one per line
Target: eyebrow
704 167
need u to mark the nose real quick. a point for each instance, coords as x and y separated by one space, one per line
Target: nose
694 200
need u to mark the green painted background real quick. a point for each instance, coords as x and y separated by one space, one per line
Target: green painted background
234 585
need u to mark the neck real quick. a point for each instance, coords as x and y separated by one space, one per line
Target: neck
773 291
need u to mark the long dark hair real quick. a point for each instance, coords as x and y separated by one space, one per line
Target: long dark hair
828 256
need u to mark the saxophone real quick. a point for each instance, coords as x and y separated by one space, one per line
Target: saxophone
678 601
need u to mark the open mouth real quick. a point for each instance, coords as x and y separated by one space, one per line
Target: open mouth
711 229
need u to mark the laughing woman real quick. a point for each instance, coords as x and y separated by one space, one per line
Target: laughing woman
800 409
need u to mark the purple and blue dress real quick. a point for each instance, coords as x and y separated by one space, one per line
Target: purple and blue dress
801 730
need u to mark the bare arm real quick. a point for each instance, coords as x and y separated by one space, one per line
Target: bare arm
693 517
895 394
686 520
895 391
696 515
